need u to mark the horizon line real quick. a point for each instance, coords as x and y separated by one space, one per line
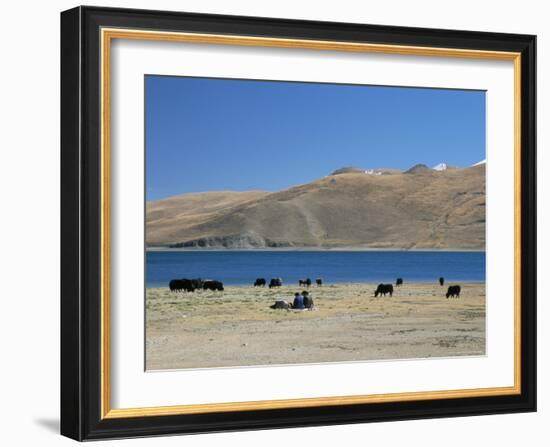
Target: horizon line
372 171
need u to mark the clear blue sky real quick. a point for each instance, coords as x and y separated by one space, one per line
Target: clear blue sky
217 134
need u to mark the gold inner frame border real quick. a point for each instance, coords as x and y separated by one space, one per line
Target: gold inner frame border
107 35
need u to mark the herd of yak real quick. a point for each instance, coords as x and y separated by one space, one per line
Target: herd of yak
383 289
190 285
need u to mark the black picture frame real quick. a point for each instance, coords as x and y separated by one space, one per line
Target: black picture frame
81 223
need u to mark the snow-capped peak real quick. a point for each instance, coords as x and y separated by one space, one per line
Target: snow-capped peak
440 167
372 172
482 162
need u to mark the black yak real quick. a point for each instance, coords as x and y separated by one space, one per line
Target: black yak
213 285
260 282
181 284
383 289
453 291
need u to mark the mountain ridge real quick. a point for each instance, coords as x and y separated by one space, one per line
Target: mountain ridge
428 210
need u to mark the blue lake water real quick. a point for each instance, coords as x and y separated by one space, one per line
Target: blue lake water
243 267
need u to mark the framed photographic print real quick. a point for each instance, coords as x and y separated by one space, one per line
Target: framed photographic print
277 223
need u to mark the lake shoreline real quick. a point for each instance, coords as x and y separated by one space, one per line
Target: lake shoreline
314 249
448 282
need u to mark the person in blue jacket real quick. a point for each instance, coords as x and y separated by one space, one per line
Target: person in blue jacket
298 301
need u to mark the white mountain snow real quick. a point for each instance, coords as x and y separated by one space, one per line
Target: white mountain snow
482 162
372 172
440 167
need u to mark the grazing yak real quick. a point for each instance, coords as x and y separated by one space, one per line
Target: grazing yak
260 282
398 282
453 291
382 289
275 282
175 285
212 285
441 281
281 305
181 284
304 282
319 282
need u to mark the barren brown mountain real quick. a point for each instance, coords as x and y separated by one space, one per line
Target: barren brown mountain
417 209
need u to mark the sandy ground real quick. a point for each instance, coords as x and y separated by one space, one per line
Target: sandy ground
237 328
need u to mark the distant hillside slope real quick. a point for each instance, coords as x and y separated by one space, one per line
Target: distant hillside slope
430 209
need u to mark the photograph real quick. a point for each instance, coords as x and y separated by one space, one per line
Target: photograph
310 223
272 222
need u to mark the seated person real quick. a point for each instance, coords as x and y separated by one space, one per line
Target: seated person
308 301
298 301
